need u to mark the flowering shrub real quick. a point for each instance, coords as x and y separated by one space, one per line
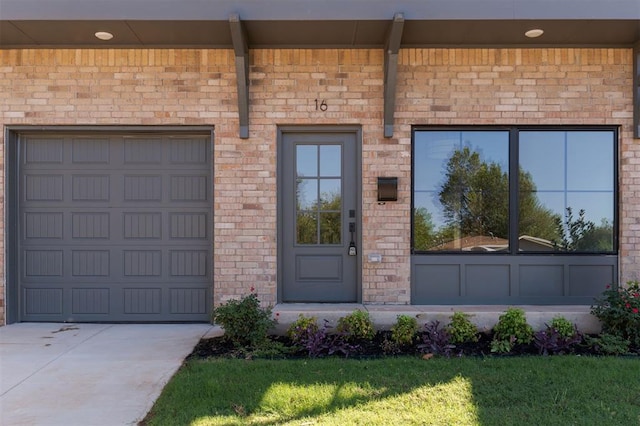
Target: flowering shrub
619 312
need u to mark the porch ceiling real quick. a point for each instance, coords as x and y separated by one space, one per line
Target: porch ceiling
316 34
317 23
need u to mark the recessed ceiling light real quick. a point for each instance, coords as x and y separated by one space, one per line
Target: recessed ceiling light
103 35
536 32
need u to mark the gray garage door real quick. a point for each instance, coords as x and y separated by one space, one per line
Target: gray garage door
115 228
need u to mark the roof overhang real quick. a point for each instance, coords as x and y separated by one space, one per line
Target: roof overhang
317 23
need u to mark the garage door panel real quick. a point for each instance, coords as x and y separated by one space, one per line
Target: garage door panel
43 301
43 187
188 151
43 225
90 151
92 187
90 225
116 229
44 151
143 151
90 301
142 225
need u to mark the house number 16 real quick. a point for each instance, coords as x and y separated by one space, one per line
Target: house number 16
321 105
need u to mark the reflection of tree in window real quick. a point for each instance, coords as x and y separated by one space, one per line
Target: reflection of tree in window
579 234
318 222
475 203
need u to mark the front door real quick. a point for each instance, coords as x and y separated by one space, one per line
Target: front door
319 196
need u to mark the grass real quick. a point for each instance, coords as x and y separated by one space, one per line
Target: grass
561 390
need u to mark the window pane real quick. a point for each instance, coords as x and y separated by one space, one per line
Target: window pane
307 228
307 160
597 231
462 190
330 194
330 160
330 226
431 152
542 158
566 191
589 161
307 194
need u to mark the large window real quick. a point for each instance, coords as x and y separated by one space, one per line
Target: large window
512 190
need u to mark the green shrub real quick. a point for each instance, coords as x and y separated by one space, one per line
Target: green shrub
502 346
563 326
608 344
512 328
357 325
405 330
461 329
619 312
245 323
300 329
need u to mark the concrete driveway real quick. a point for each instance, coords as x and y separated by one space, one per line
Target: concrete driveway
88 374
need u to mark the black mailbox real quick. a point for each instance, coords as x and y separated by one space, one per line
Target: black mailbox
387 189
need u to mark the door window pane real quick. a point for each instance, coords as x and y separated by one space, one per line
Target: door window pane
330 227
307 228
307 194
330 160
319 194
307 160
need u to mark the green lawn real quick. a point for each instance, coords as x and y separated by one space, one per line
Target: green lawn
561 390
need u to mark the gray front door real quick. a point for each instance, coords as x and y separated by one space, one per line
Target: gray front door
319 195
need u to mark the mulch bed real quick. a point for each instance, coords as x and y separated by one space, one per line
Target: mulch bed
380 346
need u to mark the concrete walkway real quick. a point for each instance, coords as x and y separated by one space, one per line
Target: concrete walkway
88 374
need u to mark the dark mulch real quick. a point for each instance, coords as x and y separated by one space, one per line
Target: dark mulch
380 346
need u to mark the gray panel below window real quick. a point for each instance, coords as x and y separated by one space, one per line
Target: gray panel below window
498 280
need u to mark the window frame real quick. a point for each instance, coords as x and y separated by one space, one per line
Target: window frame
513 170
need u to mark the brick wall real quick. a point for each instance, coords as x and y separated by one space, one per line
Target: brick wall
435 86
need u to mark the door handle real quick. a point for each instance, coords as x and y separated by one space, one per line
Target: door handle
353 250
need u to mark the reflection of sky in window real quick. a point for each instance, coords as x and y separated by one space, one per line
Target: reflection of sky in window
577 166
330 163
434 149
585 158
307 160
429 201
596 205
307 193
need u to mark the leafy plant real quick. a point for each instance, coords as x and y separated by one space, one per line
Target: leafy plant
357 325
404 331
436 340
503 346
461 329
556 341
608 344
320 342
513 324
563 326
300 330
246 324
619 312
